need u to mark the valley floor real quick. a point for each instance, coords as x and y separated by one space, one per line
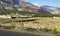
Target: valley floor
37 24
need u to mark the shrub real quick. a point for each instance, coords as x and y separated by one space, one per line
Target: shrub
45 30
6 27
0 26
9 27
13 26
55 31
31 29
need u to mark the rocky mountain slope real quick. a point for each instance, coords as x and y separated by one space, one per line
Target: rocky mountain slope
49 10
19 5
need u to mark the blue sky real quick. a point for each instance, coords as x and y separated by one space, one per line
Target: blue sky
55 3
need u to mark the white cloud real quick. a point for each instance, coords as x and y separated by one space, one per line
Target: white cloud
36 4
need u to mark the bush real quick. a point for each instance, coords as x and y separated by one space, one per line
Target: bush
45 30
13 25
9 27
0 26
55 31
31 29
6 27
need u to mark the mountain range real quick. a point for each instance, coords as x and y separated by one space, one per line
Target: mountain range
21 5
49 10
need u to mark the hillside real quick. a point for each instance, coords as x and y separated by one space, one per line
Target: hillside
27 7
19 5
49 10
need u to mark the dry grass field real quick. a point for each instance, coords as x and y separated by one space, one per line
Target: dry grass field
35 23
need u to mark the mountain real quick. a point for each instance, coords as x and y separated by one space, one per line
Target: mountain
19 5
49 10
11 1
